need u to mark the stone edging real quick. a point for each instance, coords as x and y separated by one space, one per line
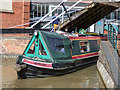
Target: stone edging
107 79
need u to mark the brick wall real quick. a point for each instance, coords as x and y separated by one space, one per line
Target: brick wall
14 43
19 16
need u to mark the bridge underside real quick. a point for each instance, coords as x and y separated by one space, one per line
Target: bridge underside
88 16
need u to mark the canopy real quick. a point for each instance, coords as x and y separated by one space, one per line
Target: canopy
90 15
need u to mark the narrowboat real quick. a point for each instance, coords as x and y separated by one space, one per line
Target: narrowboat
52 54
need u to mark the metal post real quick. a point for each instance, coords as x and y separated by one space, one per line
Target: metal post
50 8
66 11
33 15
41 11
113 36
45 8
62 15
115 39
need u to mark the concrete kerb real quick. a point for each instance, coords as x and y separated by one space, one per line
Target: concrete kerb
107 80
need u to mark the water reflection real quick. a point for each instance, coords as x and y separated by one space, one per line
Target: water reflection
85 78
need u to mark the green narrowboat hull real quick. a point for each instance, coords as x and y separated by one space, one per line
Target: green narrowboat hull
32 70
52 54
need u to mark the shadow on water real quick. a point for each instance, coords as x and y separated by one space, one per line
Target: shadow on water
84 77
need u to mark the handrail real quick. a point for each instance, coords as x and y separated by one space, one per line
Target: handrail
62 14
47 14
112 35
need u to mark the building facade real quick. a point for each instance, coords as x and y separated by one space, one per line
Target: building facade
23 13
41 8
14 13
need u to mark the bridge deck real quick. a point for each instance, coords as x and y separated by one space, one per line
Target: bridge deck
88 16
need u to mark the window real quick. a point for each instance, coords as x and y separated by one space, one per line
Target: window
108 16
53 13
35 10
59 11
47 9
43 10
41 49
118 15
32 48
56 44
6 5
113 15
38 10
84 46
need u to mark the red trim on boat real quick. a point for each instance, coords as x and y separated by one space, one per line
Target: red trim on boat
37 64
82 38
85 55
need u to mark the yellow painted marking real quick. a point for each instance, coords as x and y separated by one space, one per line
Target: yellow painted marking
83 39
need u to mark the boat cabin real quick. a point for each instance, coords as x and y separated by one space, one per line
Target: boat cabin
53 48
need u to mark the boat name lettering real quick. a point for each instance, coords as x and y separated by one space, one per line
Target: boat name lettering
40 64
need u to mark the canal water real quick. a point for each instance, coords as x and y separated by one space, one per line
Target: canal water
84 78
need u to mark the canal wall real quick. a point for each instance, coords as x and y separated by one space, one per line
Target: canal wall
13 44
107 79
108 65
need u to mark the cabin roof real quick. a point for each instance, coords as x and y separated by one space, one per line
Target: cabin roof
90 15
53 34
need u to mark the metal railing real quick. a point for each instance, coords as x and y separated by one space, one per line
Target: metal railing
53 11
112 35
46 15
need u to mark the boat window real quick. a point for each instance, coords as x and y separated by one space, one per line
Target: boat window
84 46
41 49
32 48
56 44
